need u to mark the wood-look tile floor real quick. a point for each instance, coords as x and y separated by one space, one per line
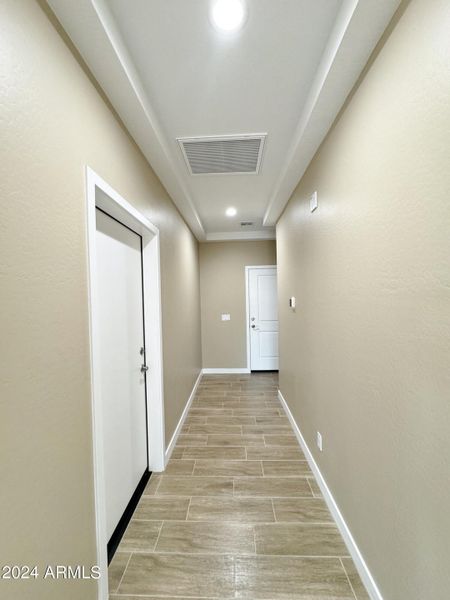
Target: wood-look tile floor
237 513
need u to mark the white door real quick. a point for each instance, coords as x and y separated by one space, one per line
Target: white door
121 331
263 314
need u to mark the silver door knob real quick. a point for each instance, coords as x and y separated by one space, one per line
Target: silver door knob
144 368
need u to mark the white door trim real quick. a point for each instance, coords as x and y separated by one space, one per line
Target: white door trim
100 194
247 306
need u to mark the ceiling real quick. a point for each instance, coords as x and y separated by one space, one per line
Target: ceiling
169 74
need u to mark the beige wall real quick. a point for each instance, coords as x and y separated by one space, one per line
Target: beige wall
365 357
222 283
53 123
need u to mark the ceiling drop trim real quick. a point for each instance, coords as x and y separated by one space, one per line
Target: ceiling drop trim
92 28
344 57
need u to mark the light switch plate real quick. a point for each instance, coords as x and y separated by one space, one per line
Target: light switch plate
292 301
313 202
226 317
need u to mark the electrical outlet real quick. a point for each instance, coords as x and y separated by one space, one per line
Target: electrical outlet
319 441
226 317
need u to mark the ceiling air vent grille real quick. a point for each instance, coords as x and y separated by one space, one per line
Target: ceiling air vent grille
236 154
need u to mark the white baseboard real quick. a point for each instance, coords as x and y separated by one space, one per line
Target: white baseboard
176 433
355 553
224 371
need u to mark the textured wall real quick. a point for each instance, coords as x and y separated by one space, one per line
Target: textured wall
53 123
365 358
222 282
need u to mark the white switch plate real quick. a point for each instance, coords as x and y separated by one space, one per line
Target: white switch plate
226 317
319 441
313 202
292 302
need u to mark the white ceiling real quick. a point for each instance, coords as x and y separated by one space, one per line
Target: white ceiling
170 74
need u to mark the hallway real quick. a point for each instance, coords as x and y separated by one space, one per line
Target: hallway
237 513
192 191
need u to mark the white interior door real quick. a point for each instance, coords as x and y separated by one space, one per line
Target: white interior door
121 331
263 314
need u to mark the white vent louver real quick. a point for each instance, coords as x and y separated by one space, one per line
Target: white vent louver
233 154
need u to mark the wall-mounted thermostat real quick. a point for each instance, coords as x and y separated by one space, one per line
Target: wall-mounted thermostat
292 302
313 202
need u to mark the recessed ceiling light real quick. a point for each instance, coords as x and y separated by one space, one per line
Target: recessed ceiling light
228 15
231 212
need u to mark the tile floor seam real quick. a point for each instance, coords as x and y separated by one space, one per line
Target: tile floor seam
123 574
159 534
186 476
310 487
207 553
116 595
348 578
189 506
218 521
224 496
260 497
273 510
308 476
227 446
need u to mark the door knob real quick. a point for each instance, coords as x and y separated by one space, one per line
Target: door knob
253 326
144 368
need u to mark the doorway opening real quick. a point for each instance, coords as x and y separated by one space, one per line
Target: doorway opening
262 317
126 360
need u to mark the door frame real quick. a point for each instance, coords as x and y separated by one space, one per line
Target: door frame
247 306
100 194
